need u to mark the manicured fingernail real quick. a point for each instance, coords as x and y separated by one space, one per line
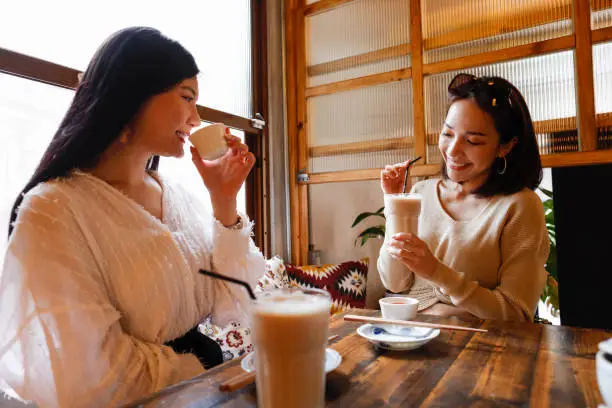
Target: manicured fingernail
227 130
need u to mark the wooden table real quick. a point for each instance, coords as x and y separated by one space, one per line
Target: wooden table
514 364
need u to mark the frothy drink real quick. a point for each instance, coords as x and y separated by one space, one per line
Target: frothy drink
402 213
290 337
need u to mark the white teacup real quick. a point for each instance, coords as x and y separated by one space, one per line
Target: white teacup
210 141
398 307
604 371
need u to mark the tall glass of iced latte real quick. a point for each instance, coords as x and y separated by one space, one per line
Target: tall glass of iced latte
290 336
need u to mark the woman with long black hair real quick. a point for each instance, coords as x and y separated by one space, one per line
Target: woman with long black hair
100 281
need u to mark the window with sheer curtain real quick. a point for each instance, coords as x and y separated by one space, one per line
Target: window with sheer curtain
217 33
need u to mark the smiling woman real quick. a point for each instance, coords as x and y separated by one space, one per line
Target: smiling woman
482 241
101 274
31 111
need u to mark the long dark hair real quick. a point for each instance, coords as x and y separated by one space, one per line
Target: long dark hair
504 103
130 67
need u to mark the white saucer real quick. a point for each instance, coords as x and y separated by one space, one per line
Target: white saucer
332 361
397 337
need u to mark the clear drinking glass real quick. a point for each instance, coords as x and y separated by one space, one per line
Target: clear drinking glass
290 337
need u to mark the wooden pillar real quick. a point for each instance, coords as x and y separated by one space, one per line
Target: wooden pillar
296 125
418 95
583 62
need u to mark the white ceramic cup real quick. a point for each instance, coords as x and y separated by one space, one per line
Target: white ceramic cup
398 307
210 141
604 374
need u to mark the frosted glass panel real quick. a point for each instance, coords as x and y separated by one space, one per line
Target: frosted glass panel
601 14
460 28
356 28
364 116
602 76
30 113
360 71
358 161
347 34
546 82
217 33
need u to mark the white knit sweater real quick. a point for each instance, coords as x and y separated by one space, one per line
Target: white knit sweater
492 265
93 286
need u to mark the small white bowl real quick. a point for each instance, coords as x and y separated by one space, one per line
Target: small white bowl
604 374
398 307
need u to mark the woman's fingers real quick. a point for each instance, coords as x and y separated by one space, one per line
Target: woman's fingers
196 159
403 236
248 160
407 246
407 258
390 172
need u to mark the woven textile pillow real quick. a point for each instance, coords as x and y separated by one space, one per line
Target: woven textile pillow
345 282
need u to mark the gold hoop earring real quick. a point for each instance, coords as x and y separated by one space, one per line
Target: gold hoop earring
503 170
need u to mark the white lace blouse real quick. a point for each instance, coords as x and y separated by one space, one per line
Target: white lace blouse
93 286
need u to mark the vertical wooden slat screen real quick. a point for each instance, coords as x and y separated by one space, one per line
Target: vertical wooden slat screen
515 39
468 27
365 122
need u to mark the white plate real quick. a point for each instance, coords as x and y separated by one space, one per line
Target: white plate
332 361
397 337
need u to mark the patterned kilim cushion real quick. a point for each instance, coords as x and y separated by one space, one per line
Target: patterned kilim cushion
345 282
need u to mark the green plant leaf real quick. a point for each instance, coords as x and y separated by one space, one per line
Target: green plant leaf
365 215
372 232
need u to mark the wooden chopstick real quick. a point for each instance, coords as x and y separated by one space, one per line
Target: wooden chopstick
411 323
237 382
244 379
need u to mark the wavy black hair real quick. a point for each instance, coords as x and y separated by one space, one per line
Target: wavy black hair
504 103
130 67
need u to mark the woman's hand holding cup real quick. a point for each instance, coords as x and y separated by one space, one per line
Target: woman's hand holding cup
224 176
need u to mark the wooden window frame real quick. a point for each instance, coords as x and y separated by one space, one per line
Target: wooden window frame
257 206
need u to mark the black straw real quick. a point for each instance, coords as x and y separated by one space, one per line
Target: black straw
227 278
406 174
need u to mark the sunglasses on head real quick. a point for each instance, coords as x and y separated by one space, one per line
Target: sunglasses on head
491 91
